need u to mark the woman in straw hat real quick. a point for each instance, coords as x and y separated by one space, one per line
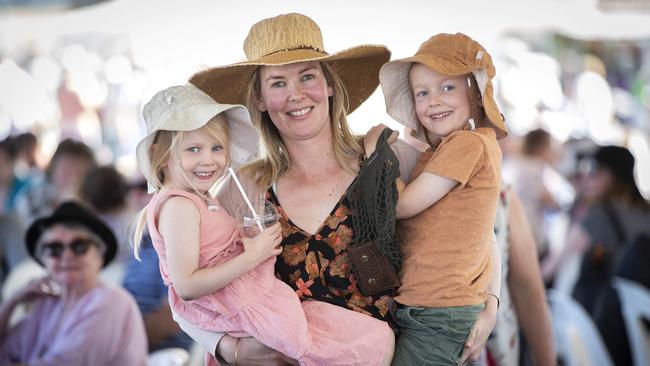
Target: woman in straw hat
217 279
299 97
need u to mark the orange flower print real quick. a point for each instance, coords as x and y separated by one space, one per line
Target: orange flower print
339 215
359 300
311 265
287 228
340 266
382 304
340 239
358 309
295 253
293 277
303 288
336 292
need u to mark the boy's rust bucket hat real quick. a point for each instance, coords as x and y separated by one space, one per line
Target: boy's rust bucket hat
287 39
448 54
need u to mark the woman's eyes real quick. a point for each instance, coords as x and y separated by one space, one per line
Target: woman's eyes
280 84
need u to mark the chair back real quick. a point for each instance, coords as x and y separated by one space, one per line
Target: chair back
635 306
577 340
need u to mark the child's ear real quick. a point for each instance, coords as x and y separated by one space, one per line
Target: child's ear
330 90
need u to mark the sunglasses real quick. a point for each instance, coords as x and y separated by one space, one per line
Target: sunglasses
78 247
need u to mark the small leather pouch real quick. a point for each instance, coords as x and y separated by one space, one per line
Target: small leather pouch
373 271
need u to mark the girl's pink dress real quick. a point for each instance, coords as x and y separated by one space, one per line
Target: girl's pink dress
260 305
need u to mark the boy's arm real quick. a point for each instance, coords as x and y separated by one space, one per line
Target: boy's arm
179 225
421 193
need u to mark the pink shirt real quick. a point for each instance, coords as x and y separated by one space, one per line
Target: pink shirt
104 327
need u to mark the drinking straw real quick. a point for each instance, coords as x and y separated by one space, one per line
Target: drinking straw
248 203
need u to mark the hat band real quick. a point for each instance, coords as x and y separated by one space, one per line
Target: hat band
302 47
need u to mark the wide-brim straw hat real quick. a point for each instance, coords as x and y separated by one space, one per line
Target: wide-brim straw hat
287 39
72 212
448 54
187 108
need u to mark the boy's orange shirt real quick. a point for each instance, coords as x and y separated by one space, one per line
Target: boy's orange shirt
446 249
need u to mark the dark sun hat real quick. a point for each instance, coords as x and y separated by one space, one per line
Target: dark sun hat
72 213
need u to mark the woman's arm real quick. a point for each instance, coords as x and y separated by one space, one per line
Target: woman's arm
481 330
36 288
526 286
179 225
249 350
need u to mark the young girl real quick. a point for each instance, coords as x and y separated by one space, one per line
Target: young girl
217 280
448 209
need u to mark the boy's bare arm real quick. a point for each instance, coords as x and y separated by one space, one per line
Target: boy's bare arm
421 193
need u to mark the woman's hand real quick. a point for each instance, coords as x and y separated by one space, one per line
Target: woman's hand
251 352
480 332
35 289
265 244
370 140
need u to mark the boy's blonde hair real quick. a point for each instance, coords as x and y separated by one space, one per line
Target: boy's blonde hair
166 149
276 160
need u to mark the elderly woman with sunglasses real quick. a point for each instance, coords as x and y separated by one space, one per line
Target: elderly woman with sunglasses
74 319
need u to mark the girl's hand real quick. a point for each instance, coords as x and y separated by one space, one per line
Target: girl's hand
265 244
370 140
35 289
480 332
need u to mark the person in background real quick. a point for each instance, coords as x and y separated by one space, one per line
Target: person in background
527 177
63 176
26 157
106 191
74 318
143 281
618 214
10 184
523 300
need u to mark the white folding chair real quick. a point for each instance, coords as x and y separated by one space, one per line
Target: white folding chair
635 305
576 337
169 357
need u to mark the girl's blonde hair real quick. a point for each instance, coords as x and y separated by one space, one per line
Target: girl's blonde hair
276 160
166 146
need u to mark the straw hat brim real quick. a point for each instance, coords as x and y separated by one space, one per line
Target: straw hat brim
358 67
244 138
393 77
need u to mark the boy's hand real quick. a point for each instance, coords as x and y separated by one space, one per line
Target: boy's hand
265 244
370 140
